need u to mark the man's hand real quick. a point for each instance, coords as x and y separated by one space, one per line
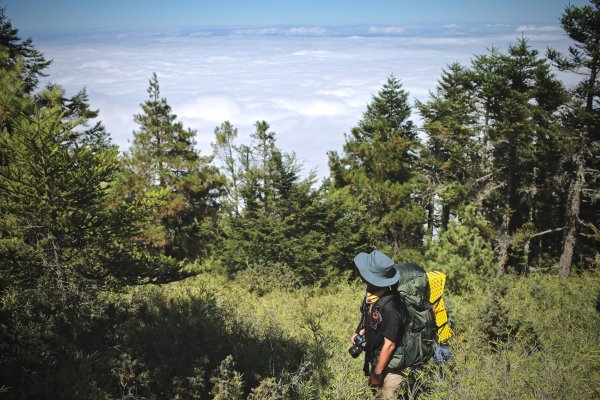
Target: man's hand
375 379
361 333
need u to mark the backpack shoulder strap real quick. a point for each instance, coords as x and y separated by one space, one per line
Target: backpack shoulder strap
386 299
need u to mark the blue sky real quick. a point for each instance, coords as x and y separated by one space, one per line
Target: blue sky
32 15
308 68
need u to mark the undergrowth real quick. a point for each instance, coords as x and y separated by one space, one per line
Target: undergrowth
210 337
519 337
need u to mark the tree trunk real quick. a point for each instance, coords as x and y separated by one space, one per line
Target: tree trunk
505 241
566 258
445 216
430 217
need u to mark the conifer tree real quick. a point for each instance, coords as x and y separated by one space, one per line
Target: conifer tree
20 51
256 236
55 200
581 125
379 164
77 109
493 140
519 97
453 152
227 153
264 150
284 226
60 243
162 159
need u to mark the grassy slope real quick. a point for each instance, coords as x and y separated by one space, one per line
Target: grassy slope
519 338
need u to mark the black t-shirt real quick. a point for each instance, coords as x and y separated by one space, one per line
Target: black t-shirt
380 323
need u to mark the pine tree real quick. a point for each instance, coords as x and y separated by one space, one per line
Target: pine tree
17 51
452 155
264 149
162 159
519 97
582 24
379 164
227 152
62 241
61 244
257 235
77 110
55 201
21 66
284 226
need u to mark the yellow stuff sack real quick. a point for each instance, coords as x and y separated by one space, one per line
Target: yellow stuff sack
437 281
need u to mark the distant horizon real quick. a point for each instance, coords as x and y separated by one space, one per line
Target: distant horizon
363 30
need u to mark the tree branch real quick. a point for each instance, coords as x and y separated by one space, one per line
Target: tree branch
547 231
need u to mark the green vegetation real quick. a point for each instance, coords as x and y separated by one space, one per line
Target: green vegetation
163 274
208 336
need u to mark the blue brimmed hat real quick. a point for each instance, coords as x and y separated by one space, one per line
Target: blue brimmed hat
377 268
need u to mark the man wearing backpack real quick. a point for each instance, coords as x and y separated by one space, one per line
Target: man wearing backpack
381 322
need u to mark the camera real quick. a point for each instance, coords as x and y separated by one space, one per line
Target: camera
360 343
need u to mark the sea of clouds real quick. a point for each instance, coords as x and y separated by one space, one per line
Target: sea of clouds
311 84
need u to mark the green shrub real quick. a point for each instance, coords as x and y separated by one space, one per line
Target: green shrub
262 279
269 389
463 252
523 337
227 382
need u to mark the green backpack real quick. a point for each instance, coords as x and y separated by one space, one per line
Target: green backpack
420 329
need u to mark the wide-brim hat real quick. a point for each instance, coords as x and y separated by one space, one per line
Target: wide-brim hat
377 268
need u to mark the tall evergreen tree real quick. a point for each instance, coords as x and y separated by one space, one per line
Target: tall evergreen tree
265 152
284 226
453 152
162 159
257 235
379 164
62 241
519 97
227 153
60 245
77 109
21 51
582 24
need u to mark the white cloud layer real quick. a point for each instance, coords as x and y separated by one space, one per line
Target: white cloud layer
387 29
539 28
310 84
297 31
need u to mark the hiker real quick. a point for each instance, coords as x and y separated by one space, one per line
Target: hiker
380 326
